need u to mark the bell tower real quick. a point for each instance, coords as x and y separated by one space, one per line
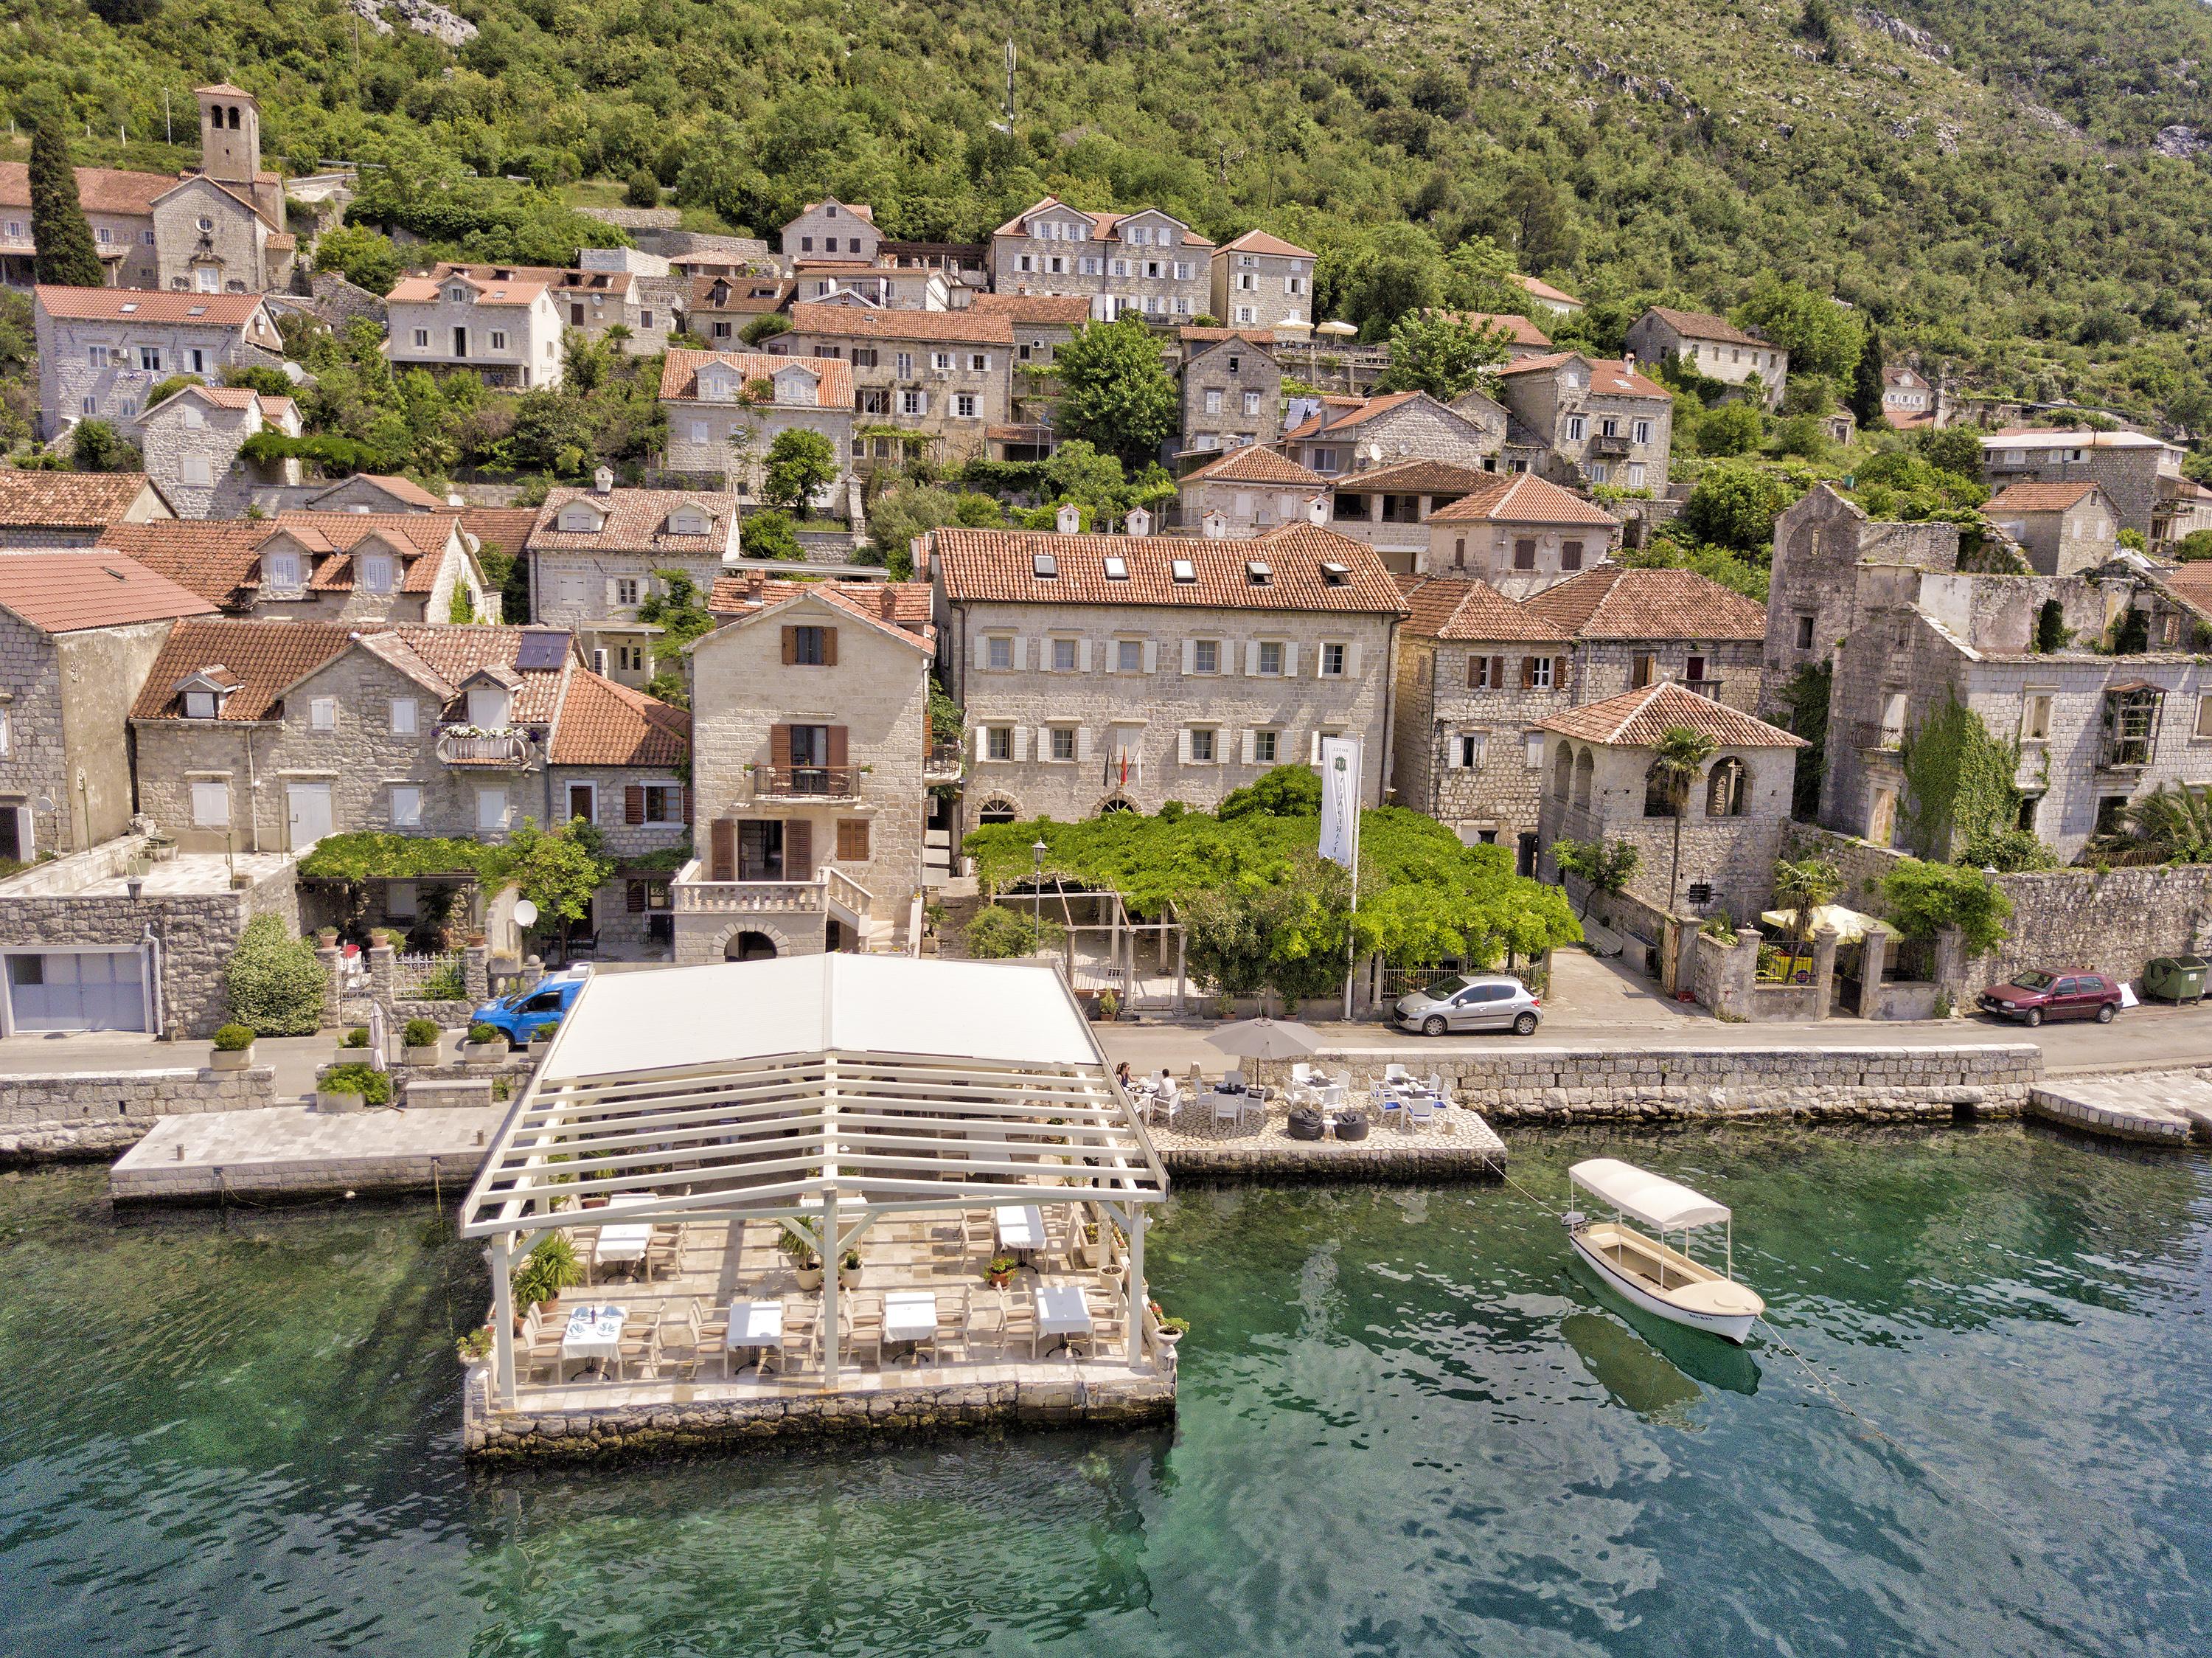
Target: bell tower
230 134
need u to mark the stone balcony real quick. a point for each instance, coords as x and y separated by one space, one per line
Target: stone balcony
806 782
513 749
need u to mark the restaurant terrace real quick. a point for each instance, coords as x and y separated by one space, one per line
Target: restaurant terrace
694 1135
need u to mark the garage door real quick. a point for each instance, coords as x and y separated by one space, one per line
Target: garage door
77 990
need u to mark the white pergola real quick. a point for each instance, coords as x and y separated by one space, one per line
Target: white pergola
820 1092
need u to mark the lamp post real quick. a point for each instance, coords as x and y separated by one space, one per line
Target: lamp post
1037 850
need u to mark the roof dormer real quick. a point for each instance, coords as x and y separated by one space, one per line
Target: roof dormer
719 382
203 692
580 517
490 692
799 384
690 519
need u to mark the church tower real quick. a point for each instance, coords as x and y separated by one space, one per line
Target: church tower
230 134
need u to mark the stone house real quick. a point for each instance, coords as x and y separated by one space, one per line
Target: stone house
832 230
589 302
1600 421
2061 527
1636 628
1908 399
78 630
1260 281
218 229
321 566
620 760
1352 434
1105 673
1476 676
191 439
375 492
101 350
812 738
725 409
73 509
945 377
1516 531
1390 508
504 328
1248 492
1148 262
596 554
1713 346
1555 301
1041 324
721 306
886 287
1232 391
2137 471
1601 784
1523 339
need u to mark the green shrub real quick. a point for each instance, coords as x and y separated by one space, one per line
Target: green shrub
1000 932
374 1087
422 1033
232 1039
355 1037
481 1032
274 981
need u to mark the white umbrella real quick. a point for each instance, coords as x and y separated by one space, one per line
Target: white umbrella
1266 1039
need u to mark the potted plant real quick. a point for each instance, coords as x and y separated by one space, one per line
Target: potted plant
546 1271
353 1046
848 1269
1000 1270
483 1045
1110 1005
806 1259
234 1048
326 937
1087 1250
350 1087
474 1347
1166 1330
423 1040
1224 1006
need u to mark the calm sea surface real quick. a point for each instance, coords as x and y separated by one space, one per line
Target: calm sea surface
1407 1426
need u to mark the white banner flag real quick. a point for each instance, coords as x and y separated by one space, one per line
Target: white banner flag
1340 765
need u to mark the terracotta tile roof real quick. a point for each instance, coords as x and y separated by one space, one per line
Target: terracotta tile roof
1523 498
1640 718
1106 223
425 531
67 592
504 529
2039 497
1606 377
1063 310
400 488
999 565
1448 607
1614 601
1259 242
740 294
1191 334
904 605
1414 477
679 371
861 210
636 522
1519 330
453 653
1542 289
265 657
1698 325
1253 465
216 559
149 305
557 278
99 189
1340 414
423 290
1896 374
968 327
71 500
603 723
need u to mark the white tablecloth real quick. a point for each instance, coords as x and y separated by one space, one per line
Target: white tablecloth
623 1243
756 1324
909 1315
593 1332
1061 1311
1021 1226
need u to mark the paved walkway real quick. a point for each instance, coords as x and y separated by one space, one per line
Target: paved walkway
292 1151
295 1059
2162 1108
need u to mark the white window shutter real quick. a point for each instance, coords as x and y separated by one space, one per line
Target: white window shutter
980 652
1082 742
1452 751
1183 736
1251 666
1313 748
1044 742
1251 745
1021 651
611 589
1151 655
1290 661
1021 742
1083 656
1352 661
1189 666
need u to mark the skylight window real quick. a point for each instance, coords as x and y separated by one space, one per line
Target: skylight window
189 310
1046 567
129 306
1335 575
1183 571
1257 573
1117 568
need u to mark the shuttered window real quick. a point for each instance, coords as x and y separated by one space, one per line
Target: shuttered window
797 850
851 840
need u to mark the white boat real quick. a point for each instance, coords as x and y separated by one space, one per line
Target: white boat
1646 1272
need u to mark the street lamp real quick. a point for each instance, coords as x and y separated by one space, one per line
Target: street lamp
1037 850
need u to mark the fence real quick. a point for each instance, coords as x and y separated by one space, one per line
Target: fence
1393 982
1912 959
1789 962
436 978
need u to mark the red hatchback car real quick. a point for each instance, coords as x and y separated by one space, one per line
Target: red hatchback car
2033 995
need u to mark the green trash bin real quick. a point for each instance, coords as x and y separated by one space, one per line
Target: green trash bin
2175 978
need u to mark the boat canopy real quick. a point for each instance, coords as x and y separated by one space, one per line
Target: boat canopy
1659 1203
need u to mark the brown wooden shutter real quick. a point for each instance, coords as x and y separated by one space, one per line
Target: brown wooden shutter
851 840
829 647
1475 672
1558 673
1528 673
1498 673
634 803
722 858
790 646
797 850
636 895
779 748
837 748
687 808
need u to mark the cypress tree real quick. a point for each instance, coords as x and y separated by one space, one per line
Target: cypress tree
1865 399
60 229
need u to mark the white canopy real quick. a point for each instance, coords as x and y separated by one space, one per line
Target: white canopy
1849 924
1659 1203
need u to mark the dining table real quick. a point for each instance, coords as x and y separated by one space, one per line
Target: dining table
623 1245
1061 1311
754 1326
592 1333
909 1316
1020 1229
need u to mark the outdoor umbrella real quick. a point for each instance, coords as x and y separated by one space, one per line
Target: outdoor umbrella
1266 1039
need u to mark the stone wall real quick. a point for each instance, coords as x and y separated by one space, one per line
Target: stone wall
92 1114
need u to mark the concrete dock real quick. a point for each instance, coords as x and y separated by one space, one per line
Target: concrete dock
292 1152
2150 1107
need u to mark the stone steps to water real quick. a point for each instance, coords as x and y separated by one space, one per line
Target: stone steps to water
2171 1108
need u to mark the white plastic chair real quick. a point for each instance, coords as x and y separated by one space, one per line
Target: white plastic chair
1387 1103
1228 1108
1420 1112
1395 1072
1437 1086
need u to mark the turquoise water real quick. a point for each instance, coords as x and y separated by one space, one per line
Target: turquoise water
1407 1426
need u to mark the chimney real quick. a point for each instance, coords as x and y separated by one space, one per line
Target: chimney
887 602
1215 526
1138 522
1069 519
603 481
1318 510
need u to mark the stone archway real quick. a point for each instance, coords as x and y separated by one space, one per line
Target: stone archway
1115 802
749 946
997 808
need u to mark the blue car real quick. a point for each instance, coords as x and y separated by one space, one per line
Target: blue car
545 1002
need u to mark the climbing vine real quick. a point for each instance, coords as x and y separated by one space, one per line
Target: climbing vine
1958 781
1806 696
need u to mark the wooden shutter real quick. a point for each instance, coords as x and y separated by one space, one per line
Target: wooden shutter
1290 661
634 803
1182 745
779 746
797 850
1151 655
1478 673
1558 672
687 806
1251 658
636 897
1082 742
829 647
1498 673
851 840
837 746
790 646
1528 673
722 856
1083 656
980 656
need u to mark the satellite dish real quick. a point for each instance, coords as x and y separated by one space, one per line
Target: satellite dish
525 914
44 803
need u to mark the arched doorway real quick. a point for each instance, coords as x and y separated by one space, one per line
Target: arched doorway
749 947
995 810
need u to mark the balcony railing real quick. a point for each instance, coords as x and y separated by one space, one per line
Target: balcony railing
942 763
689 894
1872 734
807 782
1708 689
469 746
1610 449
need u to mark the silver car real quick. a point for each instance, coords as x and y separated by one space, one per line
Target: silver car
1471 1002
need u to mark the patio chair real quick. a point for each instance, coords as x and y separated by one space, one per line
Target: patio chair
1021 1321
1303 1075
1395 1072
982 1316
640 1347
663 1251
952 1329
1228 1108
1437 1086
1234 1080
1420 1112
1106 1326
860 1327
1387 1106
802 1330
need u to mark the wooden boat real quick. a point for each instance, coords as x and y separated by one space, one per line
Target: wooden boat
1645 1270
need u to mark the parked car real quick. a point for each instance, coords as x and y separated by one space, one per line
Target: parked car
2033 995
545 1002
1471 1002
